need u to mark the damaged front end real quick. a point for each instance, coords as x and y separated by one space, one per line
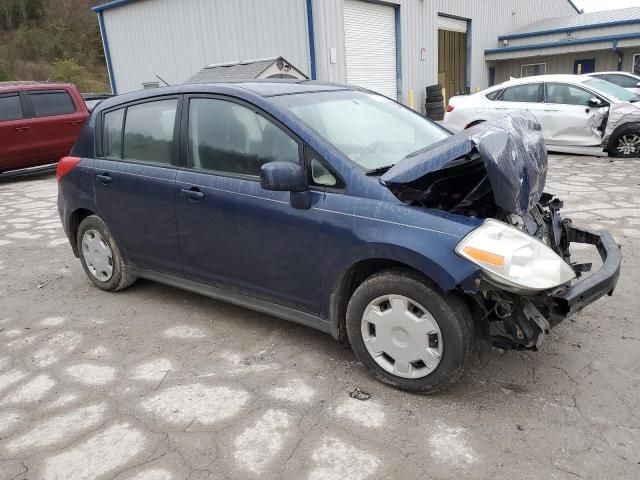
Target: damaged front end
526 282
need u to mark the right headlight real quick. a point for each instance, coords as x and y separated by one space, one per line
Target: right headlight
514 258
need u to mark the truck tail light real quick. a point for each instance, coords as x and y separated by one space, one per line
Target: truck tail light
65 165
450 108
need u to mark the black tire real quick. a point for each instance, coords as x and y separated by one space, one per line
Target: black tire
630 129
434 106
436 117
435 98
449 311
435 113
120 278
434 89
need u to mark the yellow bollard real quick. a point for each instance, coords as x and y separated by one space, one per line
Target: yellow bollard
410 98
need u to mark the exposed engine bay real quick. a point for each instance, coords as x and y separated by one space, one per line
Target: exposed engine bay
497 170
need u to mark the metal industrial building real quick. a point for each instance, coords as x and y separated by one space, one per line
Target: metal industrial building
395 47
599 41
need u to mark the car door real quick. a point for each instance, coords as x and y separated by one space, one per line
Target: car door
233 234
16 146
517 98
56 123
134 181
567 118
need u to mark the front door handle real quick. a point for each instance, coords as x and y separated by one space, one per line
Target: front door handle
75 122
21 129
194 193
104 178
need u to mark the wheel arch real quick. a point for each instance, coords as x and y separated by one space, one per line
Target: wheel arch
350 277
474 123
610 142
75 219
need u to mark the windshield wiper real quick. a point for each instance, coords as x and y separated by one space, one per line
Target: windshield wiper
379 170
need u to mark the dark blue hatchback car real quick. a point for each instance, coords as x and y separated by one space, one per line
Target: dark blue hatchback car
336 208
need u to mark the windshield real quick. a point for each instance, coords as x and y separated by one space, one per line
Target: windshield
611 90
371 130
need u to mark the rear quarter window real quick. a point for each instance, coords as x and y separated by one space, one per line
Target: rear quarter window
493 95
10 108
46 104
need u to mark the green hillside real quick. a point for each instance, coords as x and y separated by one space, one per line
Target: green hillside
52 40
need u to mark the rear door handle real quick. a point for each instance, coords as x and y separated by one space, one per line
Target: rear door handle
194 193
104 178
21 129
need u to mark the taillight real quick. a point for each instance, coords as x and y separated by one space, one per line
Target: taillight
450 108
65 165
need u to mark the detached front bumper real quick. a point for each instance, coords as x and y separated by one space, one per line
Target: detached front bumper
518 321
567 301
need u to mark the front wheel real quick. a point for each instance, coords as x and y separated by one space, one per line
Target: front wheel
408 334
625 142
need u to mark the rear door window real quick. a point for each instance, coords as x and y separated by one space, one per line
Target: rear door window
10 107
529 92
47 104
148 131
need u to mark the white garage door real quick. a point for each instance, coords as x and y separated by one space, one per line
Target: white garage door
370 43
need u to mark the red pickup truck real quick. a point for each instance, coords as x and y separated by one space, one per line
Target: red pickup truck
39 123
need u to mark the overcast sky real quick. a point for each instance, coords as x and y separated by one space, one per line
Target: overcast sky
595 5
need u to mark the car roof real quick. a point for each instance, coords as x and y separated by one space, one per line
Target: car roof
264 88
14 86
612 72
563 78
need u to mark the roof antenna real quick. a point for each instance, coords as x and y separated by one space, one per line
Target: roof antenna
162 80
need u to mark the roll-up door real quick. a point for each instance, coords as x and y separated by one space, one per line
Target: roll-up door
370 44
452 24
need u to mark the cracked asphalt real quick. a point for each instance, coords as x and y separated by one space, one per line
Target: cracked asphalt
157 383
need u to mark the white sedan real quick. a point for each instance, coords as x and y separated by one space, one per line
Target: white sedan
573 111
630 81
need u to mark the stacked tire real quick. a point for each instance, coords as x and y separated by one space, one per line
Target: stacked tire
434 104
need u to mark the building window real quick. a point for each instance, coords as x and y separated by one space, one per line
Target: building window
636 64
533 69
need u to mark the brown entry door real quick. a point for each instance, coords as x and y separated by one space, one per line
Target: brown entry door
452 62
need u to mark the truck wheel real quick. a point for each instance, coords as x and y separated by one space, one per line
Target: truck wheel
625 142
408 334
101 257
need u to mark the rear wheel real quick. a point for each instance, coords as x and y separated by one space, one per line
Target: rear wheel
100 256
407 333
625 142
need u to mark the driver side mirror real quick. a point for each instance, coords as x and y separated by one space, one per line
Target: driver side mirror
594 102
638 85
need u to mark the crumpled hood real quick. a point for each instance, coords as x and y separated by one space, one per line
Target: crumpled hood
510 153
